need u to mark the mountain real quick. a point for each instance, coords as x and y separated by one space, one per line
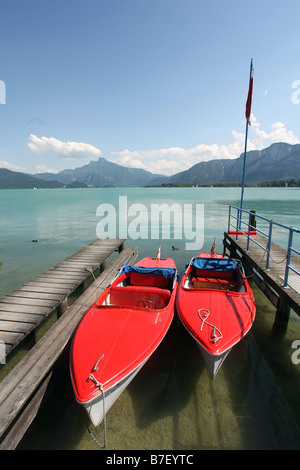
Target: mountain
103 173
16 180
280 161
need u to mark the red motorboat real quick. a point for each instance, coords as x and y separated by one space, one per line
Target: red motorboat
216 305
120 331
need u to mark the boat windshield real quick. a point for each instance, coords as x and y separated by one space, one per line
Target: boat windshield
215 264
168 273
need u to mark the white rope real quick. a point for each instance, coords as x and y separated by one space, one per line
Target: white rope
205 314
92 273
267 250
98 384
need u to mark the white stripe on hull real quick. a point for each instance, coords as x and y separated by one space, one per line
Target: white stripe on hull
213 361
95 407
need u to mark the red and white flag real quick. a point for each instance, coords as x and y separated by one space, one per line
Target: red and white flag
213 248
158 255
249 98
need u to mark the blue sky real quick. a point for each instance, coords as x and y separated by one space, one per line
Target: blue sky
154 84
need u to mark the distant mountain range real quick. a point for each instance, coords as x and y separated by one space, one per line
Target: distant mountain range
280 161
16 180
103 173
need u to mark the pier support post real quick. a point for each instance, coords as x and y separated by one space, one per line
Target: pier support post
62 307
253 220
121 247
282 313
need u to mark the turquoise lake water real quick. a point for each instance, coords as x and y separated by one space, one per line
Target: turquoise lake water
172 404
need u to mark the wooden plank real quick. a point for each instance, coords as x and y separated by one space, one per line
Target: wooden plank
76 267
66 277
68 285
24 317
74 261
19 428
28 301
82 263
52 284
57 277
36 295
42 289
16 326
17 387
98 253
23 308
72 268
10 339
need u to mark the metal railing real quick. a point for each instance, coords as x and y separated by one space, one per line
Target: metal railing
244 223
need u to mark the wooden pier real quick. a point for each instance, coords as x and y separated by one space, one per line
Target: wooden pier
22 310
23 388
271 280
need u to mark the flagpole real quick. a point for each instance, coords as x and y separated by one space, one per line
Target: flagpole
248 111
244 167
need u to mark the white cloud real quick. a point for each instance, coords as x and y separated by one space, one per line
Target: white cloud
66 150
166 161
12 167
262 139
44 169
171 160
38 169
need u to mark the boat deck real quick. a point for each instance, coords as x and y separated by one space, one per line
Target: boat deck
22 310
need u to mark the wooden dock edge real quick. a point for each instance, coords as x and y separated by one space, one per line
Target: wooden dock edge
24 309
23 389
277 294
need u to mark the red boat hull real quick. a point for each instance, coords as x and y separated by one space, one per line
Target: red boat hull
120 332
217 308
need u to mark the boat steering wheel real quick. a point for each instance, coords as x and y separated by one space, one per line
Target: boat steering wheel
144 302
227 287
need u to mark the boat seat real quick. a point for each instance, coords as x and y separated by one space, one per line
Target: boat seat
213 283
214 274
141 279
137 296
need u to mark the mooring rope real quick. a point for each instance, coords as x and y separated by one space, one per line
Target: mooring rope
267 250
205 314
92 273
99 385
